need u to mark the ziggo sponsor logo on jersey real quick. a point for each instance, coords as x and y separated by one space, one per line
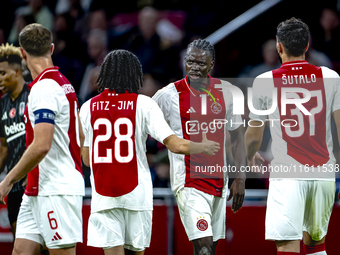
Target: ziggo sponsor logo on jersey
193 127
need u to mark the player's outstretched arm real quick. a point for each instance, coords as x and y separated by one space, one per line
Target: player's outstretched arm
253 140
336 116
237 189
3 153
43 136
183 146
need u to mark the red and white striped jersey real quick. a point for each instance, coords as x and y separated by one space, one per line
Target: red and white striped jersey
299 140
189 114
116 127
60 172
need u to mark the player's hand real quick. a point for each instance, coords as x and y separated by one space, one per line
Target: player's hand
5 188
237 191
255 168
210 147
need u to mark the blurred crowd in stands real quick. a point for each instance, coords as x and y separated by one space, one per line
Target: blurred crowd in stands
158 32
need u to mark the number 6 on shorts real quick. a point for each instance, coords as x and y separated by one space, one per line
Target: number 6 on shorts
52 220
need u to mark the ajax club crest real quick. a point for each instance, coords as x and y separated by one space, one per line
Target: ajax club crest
216 108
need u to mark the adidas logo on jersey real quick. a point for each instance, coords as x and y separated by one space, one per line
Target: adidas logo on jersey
56 237
4 117
191 110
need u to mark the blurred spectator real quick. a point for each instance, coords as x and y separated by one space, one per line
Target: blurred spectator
270 62
316 57
145 42
150 86
328 39
41 13
20 22
161 175
69 52
63 6
97 50
96 19
159 56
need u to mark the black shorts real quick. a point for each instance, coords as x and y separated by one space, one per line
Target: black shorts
13 205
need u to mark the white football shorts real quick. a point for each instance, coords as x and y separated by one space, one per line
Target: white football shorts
294 206
52 220
118 226
202 214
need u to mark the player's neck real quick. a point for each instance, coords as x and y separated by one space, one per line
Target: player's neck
203 83
18 89
38 65
286 58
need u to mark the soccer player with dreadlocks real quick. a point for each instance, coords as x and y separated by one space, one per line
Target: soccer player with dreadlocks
192 107
116 124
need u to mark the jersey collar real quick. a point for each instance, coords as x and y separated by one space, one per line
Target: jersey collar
47 70
195 92
303 62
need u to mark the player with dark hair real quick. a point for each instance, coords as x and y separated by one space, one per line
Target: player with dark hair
12 128
116 124
300 201
191 107
50 212
122 68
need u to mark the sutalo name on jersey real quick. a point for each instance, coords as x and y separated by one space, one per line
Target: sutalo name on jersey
299 79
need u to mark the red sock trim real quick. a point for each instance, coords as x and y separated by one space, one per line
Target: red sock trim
314 249
287 253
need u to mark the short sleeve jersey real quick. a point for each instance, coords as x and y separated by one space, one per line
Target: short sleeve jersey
52 99
116 127
13 129
301 135
190 113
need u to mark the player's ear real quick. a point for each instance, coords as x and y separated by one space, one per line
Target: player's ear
52 48
23 53
211 66
279 48
307 47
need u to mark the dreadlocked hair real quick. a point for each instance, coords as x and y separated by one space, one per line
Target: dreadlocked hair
203 45
120 71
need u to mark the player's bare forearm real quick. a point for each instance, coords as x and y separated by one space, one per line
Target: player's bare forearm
253 139
81 135
3 153
186 147
43 136
86 156
237 189
336 116
237 140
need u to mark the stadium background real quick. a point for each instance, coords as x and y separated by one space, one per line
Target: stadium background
158 32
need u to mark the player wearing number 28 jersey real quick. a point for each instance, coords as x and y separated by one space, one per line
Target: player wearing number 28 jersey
302 188
116 124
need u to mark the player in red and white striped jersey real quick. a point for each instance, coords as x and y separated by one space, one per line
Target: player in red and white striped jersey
301 197
51 209
194 106
116 124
